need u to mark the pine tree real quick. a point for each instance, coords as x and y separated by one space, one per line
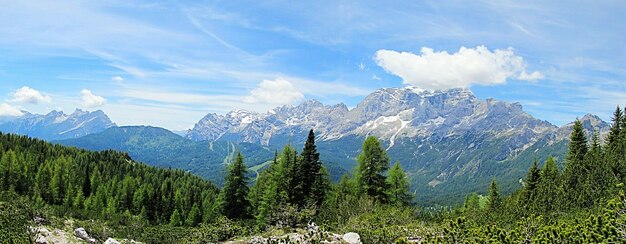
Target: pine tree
193 217
321 186
549 190
269 190
176 219
59 179
42 183
398 186
310 174
233 197
495 201
472 202
599 179
529 193
575 168
616 128
372 163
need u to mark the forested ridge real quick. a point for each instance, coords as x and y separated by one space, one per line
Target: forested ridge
578 200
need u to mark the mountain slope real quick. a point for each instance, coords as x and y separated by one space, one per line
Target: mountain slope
57 125
160 147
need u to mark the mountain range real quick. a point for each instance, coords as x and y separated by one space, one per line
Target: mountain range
57 125
449 141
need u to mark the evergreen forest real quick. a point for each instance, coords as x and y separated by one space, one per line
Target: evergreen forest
578 200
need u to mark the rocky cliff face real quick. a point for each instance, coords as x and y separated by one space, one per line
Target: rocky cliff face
389 114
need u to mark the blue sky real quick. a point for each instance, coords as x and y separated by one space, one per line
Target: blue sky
169 63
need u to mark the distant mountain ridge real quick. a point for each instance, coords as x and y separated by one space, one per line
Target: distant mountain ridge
388 113
57 125
449 141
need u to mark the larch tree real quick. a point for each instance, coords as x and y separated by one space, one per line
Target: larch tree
372 163
398 186
233 197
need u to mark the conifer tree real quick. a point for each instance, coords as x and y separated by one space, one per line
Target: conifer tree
529 193
233 197
42 183
495 201
273 186
549 190
310 174
575 168
372 163
176 219
59 178
616 128
398 186
472 202
194 217
599 177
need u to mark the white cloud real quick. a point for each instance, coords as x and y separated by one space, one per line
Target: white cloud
8 110
275 92
536 75
468 66
117 78
91 100
29 95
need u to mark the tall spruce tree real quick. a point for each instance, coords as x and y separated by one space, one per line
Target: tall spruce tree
495 200
398 183
372 163
616 128
600 177
529 193
310 174
575 168
549 189
233 197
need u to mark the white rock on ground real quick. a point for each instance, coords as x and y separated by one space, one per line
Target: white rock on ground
352 238
82 234
41 240
111 241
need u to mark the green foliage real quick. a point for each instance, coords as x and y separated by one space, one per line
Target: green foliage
103 185
313 180
162 148
549 189
233 200
531 182
223 229
15 217
575 167
372 163
398 186
495 201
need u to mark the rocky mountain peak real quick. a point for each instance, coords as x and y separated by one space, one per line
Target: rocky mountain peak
389 113
57 125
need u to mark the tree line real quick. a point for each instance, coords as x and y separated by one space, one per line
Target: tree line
102 184
290 191
295 187
580 201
